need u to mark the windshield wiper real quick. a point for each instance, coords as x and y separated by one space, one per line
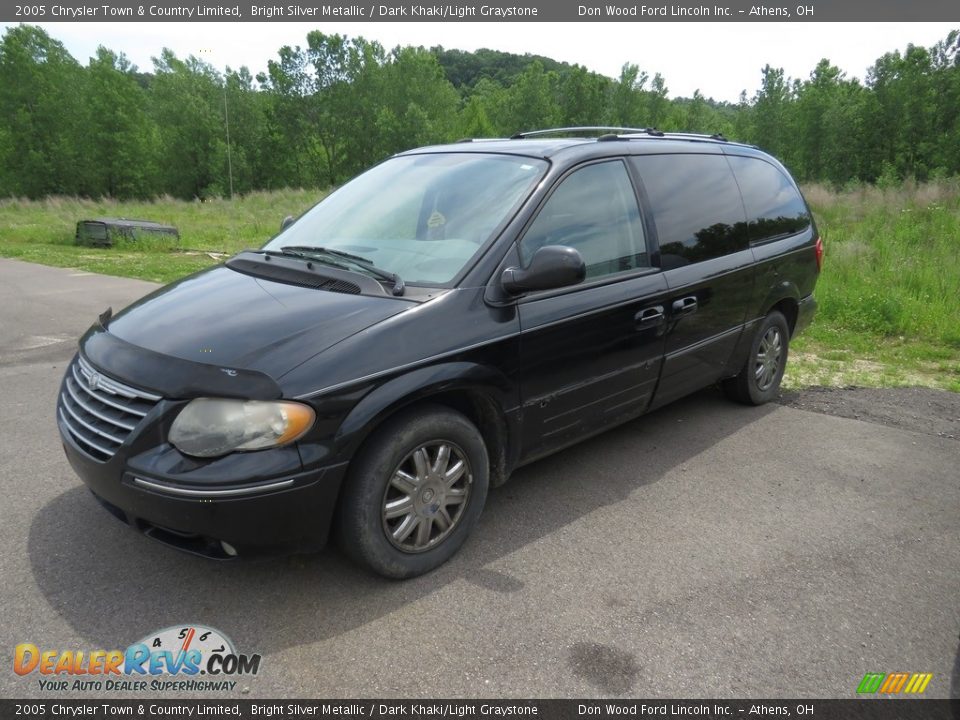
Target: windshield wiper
285 252
365 263
325 250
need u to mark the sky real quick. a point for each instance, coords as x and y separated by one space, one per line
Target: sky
719 59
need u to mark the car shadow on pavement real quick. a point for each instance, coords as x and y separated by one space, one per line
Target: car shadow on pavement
113 586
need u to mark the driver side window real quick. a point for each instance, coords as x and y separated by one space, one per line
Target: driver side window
593 210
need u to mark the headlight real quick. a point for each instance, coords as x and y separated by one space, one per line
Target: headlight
208 427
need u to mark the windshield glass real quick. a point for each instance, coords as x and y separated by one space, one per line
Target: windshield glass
423 217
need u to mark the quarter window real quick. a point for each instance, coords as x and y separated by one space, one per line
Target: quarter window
774 207
595 211
696 207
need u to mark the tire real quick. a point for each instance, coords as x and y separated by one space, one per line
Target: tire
414 492
758 381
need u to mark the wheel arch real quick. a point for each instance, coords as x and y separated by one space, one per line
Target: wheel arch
478 392
784 298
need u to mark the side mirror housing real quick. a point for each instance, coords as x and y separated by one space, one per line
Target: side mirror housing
286 222
552 266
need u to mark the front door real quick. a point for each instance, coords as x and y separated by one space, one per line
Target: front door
590 354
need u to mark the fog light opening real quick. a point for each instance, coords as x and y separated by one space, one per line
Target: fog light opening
228 548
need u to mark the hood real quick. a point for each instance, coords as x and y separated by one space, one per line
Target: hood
226 318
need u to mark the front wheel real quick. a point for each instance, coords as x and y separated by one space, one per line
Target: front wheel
414 492
758 381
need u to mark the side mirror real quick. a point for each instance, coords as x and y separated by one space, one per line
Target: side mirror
552 266
286 222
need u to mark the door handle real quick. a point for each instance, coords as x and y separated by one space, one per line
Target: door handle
649 317
685 306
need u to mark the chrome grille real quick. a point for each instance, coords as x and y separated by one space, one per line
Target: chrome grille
100 412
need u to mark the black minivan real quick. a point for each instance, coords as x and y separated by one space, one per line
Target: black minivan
440 320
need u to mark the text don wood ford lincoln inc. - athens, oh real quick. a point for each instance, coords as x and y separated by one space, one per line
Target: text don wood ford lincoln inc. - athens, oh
704 11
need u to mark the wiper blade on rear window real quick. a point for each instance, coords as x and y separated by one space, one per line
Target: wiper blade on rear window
365 263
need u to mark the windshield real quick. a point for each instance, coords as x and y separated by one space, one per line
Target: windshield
423 217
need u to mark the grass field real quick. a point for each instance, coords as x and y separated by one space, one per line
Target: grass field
890 292
43 231
889 295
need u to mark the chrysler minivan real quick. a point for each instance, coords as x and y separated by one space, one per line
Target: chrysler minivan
447 316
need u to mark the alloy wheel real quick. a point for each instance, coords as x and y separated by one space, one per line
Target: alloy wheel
769 357
426 496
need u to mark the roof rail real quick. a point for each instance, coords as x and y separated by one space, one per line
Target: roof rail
613 132
706 136
586 129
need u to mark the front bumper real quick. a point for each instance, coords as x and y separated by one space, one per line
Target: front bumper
242 504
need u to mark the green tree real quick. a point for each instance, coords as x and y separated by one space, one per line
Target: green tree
743 119
187 99
583 97
244 112
40 108
348 84
325 111
828 115
903 106
531 102
656 105
813 98
770 112
696 115
488 102
418 104
945 59
120 152
294 154
626 98
465 69
474 121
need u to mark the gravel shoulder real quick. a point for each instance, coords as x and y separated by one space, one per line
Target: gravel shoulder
923 410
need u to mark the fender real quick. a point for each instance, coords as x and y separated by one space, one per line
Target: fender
781 290
419 384
778 271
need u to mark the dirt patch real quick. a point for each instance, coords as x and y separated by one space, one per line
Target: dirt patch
934 412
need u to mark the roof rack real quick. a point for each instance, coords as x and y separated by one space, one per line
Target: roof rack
615 133
586 129
714 136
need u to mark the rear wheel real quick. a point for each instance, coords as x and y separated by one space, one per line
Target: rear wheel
758 381
414 492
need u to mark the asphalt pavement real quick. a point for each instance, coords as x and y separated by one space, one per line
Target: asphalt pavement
705 550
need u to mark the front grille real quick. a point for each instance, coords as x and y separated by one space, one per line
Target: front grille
100 413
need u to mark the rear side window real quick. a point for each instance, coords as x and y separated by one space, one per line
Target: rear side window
774 207
696 207
595 211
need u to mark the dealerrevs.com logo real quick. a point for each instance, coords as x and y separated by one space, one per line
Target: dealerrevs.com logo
178 658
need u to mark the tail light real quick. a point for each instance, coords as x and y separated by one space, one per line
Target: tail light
818 252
